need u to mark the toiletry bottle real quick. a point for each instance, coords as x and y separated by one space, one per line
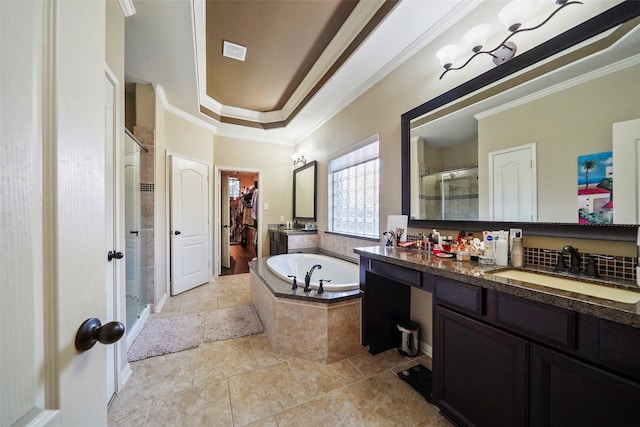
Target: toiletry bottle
517 256
502 249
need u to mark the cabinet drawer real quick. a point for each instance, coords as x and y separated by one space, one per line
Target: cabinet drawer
620 348
400 274
549 324
459 295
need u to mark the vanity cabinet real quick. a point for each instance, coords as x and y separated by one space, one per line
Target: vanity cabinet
278 243
387 299
501 360
479 372
292 241
568 392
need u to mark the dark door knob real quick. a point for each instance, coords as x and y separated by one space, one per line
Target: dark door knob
92 331
177 232
134 232
113 254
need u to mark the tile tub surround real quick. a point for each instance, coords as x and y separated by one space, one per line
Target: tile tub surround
477 274
311 330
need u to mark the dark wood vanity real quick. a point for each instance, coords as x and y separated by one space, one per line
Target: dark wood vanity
505 354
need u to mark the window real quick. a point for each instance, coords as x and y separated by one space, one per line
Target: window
353 190
234 187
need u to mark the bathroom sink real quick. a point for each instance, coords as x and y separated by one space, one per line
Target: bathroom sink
572 285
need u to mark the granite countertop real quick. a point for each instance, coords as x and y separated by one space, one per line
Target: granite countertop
282 289
477 274
293 231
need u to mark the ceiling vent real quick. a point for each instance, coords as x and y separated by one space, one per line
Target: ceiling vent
234 51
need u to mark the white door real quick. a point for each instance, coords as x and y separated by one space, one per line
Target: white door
512 184
626 181
52 211
189 224
225 240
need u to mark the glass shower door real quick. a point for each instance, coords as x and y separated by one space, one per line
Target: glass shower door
135 291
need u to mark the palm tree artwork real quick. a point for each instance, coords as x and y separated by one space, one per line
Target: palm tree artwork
588 165
595 188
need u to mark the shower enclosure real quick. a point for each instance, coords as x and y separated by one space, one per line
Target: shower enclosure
450 195
136 290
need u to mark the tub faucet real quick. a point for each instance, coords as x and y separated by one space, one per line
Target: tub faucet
295 282
321 287
307 277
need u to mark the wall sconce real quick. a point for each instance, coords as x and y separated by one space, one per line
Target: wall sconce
298 159
511 16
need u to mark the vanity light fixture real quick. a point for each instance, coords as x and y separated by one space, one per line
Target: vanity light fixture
298 159
512 17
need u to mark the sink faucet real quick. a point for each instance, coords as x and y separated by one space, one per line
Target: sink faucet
307 277
576 262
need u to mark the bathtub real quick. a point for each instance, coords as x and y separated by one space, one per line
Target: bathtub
344 275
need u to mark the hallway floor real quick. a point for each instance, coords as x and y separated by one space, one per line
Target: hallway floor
243 382
239 259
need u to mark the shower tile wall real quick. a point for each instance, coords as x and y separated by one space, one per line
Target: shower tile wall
147 173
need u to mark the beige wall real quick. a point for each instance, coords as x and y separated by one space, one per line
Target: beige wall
273 161
183 138
565 125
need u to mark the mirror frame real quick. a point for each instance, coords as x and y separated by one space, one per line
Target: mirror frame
611 18
313 165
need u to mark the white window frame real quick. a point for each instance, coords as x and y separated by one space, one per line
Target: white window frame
355 158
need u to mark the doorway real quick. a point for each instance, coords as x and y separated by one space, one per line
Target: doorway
239 192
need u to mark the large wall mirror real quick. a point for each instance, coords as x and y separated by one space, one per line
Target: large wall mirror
305 192
560 102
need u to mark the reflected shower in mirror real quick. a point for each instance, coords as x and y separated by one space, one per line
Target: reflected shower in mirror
305 192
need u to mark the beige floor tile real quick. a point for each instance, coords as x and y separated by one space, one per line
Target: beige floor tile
267 422
125 413
317 378
371 365
263 392
159 376
227 358
263 351
235 300
329 410
384 400
199 305
199 406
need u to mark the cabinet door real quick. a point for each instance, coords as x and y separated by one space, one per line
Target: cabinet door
566 392
480 373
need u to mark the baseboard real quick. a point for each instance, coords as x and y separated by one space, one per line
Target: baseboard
124 376
426 349
158 307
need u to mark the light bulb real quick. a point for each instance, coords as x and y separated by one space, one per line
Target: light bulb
476 37
447 55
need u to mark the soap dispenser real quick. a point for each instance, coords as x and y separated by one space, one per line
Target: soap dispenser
517 256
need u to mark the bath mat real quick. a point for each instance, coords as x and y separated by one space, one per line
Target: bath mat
419 378
164 336
231 323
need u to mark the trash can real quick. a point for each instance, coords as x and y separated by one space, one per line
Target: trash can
409 344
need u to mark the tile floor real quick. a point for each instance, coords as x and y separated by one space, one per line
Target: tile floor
243 382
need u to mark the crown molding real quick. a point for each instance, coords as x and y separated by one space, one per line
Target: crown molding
127 8
160 93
